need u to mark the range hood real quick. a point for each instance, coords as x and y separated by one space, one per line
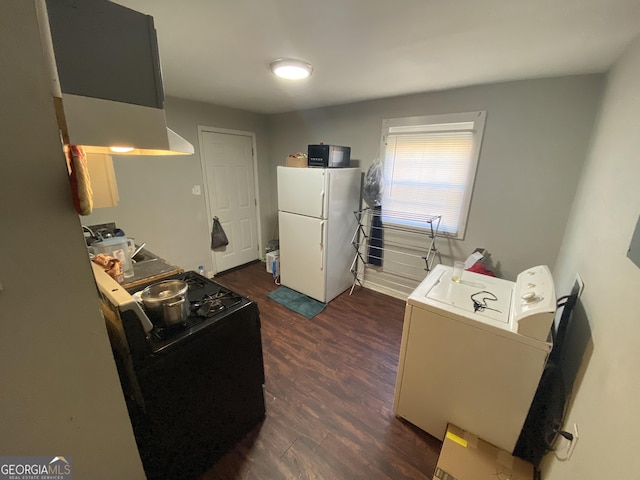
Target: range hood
105 75
115 128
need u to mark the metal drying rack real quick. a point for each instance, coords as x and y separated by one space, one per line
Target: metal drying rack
409 226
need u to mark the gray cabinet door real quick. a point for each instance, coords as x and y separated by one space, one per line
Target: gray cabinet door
104 50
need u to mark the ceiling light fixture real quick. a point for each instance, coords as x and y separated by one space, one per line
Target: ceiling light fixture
291 69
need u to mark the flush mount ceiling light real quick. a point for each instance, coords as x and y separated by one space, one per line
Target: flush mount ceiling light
291 69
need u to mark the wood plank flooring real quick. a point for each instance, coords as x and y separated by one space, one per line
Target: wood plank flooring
329 392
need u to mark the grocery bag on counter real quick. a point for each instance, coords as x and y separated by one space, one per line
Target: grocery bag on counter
112 266
218 237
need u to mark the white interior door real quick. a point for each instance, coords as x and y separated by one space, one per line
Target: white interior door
230 191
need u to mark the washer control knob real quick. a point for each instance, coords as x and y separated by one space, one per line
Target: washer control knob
529 297
531 285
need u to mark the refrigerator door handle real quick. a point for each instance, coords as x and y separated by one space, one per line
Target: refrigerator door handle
322 204
322 244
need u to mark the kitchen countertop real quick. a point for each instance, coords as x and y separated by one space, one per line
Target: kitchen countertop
150 270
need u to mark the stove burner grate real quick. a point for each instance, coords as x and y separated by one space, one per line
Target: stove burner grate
195 281
214 303
209 308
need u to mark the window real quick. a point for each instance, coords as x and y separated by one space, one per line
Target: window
429 169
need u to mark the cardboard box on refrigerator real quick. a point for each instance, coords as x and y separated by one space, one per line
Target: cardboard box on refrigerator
297 161
464 456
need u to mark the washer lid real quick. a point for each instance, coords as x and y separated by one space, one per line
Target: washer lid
483 298
439 295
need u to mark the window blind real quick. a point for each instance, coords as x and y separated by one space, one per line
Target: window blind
429 170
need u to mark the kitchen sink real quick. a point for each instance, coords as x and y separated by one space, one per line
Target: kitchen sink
144 256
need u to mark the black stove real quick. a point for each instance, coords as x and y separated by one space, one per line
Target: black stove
195 389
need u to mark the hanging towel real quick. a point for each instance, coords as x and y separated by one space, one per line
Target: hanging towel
218 237
375 237
79 180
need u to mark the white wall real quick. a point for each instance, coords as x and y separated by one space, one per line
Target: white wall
59 388
156 204
604 215
535 142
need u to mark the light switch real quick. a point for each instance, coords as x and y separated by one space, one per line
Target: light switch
196 190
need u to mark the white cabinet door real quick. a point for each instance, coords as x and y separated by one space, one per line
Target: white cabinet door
302 259
103 180
302 191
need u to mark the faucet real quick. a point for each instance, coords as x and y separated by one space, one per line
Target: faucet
94 235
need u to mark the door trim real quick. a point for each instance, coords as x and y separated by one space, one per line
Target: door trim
207 195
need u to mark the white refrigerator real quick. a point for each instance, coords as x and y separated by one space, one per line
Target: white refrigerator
317 223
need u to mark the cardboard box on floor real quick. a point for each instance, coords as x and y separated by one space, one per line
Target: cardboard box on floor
464 456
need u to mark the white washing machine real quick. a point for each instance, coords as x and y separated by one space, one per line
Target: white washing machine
473 352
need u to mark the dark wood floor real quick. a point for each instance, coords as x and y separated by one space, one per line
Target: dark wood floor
329 392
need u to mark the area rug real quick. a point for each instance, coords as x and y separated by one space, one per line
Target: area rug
297 302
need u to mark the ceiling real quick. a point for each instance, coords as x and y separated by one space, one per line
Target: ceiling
219 51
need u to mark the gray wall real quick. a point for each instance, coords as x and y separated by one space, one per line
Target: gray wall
604 215
60 393
535 141
156 204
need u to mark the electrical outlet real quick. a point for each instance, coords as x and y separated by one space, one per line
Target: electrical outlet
195 190
565 447
210 274
574 442
578 286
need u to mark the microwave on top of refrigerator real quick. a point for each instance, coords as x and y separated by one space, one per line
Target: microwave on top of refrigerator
328 156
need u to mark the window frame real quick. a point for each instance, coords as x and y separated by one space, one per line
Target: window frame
478 118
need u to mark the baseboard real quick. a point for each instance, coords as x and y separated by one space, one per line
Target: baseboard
386 290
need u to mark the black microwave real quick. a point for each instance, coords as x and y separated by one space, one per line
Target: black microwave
329 156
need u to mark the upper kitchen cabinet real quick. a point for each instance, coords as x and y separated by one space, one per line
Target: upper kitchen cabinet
105 75
104 50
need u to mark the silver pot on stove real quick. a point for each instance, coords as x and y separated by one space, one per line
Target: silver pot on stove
166 302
